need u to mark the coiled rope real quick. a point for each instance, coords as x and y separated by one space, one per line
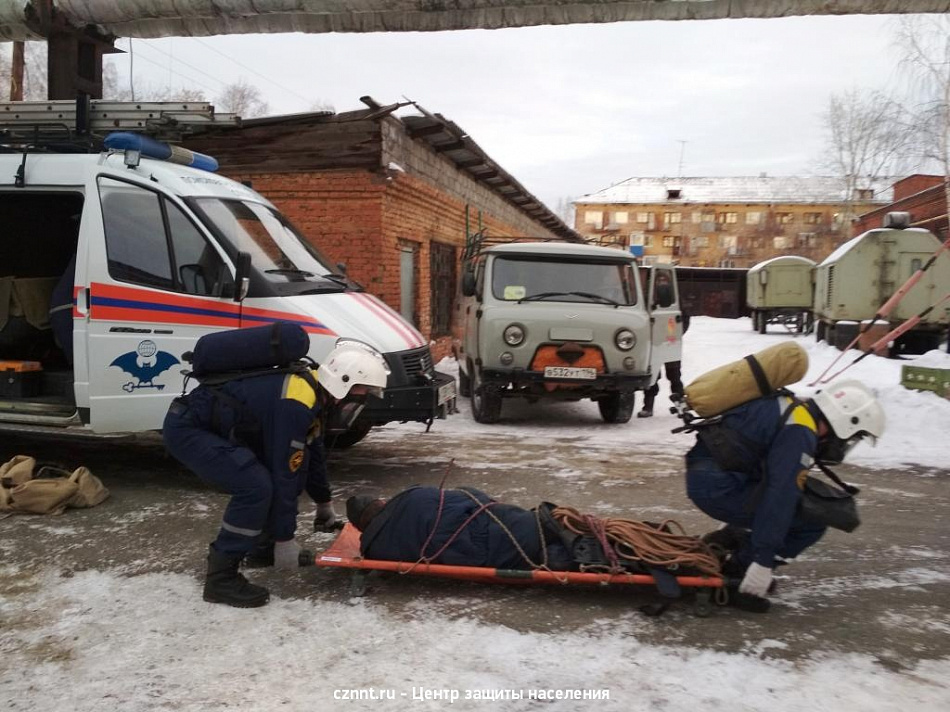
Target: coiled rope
665 545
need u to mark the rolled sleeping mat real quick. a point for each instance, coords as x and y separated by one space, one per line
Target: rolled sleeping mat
260 347
748 378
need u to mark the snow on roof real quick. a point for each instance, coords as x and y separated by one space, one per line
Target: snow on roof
736 189
783 260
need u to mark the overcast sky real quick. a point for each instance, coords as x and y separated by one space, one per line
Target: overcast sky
569 110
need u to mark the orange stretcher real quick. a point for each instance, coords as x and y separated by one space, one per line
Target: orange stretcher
344 553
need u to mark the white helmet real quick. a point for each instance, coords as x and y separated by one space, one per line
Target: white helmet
350 365
850 408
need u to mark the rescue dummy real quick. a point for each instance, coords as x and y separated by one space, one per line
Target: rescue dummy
466 527
255 432
750 464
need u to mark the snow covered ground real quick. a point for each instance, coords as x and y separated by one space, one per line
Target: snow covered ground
103 639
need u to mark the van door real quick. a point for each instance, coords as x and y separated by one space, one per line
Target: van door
472 306
665 317
154 283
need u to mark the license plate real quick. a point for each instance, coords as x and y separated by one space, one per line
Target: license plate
587 374
446 392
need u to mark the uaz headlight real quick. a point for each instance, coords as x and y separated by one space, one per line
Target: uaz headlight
513 335
625 339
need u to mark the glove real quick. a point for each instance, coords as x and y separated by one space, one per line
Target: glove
326 519
756 581
286 554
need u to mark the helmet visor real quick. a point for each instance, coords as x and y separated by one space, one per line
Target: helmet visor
832 450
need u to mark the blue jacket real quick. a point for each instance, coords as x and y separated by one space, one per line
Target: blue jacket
778 455
400 530
275 416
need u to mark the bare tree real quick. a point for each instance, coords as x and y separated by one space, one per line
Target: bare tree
241 98
867 138
924 43
113 89
34 71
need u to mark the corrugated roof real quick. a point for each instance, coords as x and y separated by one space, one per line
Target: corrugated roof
735 189
182 18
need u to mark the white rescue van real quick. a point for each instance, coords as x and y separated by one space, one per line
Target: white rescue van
165 253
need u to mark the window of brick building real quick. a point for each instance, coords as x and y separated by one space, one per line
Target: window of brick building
648 240
619 217
671 219
811 218
727 218
779 243
669 241
753 218
784 218
700 241
643 217
442 280
594 218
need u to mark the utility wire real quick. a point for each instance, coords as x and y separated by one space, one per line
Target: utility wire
253 71
190 66
179 74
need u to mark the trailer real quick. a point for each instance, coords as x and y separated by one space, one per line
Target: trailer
854 281
781 291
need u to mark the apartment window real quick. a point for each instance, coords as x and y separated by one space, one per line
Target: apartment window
697 217
779 242
807 239
648 240
864 194
669 241
620 217
784 218
811 218
442 275
673 194
700 241
643 217
727 218
671 219
594 218
753 218
727 242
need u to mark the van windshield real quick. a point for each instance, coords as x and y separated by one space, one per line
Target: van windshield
276 248
563 280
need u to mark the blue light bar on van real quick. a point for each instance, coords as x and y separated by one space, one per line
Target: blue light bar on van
150 148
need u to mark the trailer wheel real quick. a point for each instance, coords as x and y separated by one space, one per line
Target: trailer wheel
763 321
755 320
820 329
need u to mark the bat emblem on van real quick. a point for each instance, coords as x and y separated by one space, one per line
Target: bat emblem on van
144 365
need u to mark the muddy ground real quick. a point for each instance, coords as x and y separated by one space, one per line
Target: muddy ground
882 591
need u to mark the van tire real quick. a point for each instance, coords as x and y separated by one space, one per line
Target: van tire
486 402
359 430
616 407
465 384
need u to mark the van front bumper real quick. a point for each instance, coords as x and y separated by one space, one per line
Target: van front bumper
428 397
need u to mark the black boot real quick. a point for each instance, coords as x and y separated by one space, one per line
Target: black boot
647 410
224 584
727 540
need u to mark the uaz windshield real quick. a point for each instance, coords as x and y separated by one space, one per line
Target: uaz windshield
276 248
563 280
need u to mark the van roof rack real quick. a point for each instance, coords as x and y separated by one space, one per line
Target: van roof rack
83 123
479 241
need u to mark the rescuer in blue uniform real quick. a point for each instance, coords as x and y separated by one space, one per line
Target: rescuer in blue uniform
758 493
257 438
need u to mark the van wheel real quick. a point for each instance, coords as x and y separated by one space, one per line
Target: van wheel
616 407
359 430
465 384
486 402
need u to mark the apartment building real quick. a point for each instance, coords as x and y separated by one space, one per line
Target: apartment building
726 221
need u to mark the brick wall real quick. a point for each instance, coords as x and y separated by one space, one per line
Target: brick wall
927 208
914 184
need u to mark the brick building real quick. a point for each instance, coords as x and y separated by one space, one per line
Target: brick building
394 198
725 222
923 196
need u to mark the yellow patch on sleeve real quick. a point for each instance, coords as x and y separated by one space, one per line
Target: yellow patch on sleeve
296 460
801 416
800 480
297 388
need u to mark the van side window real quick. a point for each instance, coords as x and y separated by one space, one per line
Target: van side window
149 241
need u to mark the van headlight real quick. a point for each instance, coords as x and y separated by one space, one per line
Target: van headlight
625 339
514 335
